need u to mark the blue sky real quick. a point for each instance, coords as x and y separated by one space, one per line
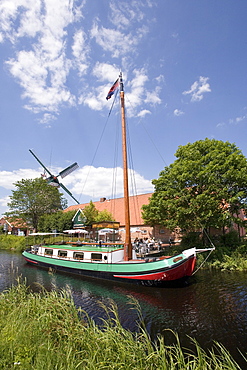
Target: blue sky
184 70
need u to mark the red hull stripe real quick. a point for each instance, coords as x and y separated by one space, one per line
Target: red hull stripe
31 261
178 272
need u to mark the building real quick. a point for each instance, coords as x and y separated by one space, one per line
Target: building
16 227
138 228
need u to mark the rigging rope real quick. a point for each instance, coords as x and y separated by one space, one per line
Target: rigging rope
100 139
149 136
203 262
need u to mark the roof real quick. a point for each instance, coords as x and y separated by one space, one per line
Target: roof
116 208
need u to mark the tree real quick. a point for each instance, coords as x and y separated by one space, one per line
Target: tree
206 187
32 199
93 215
104 216
90 212
58 221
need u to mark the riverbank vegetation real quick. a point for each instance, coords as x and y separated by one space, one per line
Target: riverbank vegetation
44 330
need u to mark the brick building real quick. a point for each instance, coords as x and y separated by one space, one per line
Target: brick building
138 228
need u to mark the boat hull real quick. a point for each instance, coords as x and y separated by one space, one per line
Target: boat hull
149 273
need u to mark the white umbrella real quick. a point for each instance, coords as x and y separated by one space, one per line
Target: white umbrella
106 231
78 231
135 230
81 231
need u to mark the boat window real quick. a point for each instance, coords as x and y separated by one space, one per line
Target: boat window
78 256
49 252
62 253
96 256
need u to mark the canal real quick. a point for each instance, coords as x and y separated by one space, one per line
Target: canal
211 307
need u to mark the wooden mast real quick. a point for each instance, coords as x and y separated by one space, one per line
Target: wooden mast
127 244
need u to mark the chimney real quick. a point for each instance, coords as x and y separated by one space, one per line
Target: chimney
102 200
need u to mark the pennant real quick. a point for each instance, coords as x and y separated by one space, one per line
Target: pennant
112 89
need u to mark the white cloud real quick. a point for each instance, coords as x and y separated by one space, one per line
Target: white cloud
4 201
94 182
143 113
106 72
178 112
113 41
160 79
42 67
136 91
240 119
125 13
232 121
88 181
50 47
8 178
152 97
81 50
198 88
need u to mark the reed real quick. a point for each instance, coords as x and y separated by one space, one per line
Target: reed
45 330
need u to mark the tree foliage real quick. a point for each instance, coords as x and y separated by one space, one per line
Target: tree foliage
32 199
58 221
206 186
90 213
93 215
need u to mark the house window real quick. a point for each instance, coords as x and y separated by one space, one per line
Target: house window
96 256
62 253
162 231
78 256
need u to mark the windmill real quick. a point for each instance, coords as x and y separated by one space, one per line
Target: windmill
53 180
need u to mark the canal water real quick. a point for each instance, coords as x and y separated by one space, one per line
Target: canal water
211 307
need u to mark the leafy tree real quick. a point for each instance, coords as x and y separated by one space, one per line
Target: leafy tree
59 221
104 216
206 187
93 215
32 199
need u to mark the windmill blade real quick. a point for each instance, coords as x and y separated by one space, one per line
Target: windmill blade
68 170
40 162
67 191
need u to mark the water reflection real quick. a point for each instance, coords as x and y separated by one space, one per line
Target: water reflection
212 307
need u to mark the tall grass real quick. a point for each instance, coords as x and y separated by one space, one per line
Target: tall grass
46 331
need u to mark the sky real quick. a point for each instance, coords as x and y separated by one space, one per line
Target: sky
184 71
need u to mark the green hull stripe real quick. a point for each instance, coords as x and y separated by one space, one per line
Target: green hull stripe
106 267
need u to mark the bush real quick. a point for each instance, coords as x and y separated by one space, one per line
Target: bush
192 239
230 240
13 242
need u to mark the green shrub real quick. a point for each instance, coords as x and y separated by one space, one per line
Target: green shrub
12 242
192 239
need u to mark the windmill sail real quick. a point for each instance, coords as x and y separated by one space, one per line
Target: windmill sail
68 170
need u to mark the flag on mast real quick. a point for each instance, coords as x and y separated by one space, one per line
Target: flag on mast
112 89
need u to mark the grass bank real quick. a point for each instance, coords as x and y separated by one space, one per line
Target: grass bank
46 331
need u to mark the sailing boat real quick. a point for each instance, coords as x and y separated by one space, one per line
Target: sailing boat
114 261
